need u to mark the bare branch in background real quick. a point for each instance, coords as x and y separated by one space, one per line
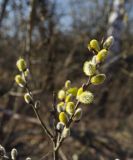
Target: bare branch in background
30 27
116 24
4 4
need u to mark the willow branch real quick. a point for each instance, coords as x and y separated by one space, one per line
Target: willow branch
35 108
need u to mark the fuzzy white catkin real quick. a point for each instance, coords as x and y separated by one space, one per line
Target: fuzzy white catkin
75 157
86 97
66 132
60 126
28 158
14 154
89 68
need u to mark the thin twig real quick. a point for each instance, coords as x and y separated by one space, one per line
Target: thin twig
19 94
17 116
84 86
62 155
38 115
46 155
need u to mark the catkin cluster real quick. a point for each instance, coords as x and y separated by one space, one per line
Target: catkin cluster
71 97
21 79
68 108
13 154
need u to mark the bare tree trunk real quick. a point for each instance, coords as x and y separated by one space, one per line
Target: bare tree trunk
5 2
49 82
116 28
116 24
30 26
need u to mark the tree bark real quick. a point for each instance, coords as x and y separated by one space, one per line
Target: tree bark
116 24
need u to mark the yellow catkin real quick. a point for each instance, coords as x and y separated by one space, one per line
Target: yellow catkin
60 106
19 80
94 45
101 55
89 68
108 42
86 97
78 114
80 91
98 79
27 98
61 94
21 65
63 118
72 91
66 132
70 108
67 84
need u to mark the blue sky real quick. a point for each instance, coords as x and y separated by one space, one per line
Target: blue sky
63 6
